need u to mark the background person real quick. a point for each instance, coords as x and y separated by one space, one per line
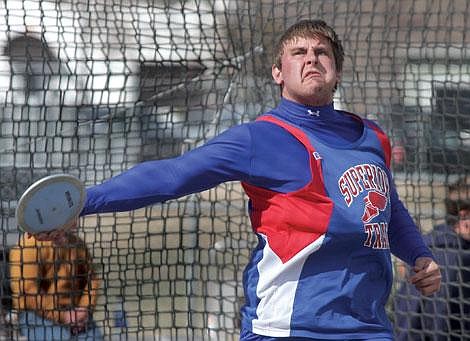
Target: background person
54 288
445 316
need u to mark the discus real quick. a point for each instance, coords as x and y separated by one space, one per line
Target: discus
51 203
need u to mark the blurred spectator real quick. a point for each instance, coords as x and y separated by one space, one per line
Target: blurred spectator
446 315
398 155
54 288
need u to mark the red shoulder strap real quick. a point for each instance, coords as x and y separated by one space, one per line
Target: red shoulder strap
299 134
384 141
315 162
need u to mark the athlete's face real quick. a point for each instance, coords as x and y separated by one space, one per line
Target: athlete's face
308 72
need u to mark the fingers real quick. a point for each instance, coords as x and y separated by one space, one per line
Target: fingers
429 285
427 277
58 235
78 320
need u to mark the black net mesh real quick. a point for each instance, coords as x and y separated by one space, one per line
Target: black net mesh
91 88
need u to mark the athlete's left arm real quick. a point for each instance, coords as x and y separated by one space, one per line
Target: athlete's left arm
405 239
406 242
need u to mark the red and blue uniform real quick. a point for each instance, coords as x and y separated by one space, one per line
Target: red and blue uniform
324 208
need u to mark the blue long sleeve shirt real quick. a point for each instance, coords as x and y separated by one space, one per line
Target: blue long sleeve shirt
252 153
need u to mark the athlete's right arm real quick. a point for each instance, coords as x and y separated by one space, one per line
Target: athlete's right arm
225 158
259 153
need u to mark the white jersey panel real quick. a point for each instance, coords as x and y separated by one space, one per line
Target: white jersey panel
276 289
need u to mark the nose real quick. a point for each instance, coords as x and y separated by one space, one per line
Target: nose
312 57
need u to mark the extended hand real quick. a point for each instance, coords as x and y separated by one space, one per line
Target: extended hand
427 277
58 236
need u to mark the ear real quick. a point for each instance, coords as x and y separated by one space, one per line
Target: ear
277 75
338 80
338 77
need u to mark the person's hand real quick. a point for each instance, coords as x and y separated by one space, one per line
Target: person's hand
58 236
427 277
76 319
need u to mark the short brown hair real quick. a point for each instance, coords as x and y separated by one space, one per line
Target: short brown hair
308 29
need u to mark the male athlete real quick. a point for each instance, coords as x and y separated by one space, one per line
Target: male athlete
322 203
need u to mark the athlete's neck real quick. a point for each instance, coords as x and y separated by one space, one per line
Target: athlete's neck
307 111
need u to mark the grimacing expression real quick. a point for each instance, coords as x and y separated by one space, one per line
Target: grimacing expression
308 73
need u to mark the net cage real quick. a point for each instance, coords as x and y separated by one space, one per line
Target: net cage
90 88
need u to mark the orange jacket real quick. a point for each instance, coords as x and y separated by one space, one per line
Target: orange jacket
52 280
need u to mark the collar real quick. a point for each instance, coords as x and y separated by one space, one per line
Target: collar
305 114
337 128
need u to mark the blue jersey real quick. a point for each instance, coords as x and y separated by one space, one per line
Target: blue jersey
267 156
323 268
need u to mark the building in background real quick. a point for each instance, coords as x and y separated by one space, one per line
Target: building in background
93 87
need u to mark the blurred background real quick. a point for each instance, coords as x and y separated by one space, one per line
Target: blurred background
91 88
